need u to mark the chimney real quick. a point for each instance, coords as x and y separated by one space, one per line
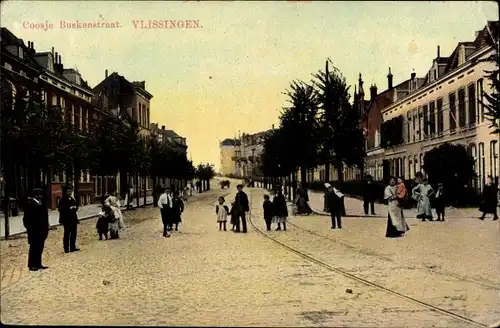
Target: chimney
413 75
60 61
106 74
163 127
52 51
373 92
272 127
389 79
55 58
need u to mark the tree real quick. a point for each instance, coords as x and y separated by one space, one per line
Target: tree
299 127
451 165
205 173
275 159
341 139
492 103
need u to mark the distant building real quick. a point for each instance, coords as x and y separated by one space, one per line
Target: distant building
228 149
169 137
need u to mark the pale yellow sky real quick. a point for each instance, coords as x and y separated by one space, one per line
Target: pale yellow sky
229 75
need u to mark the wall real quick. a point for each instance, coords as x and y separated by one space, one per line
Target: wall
227 163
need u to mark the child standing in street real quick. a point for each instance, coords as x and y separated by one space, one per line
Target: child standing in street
439 202
268 211
222 212
234 216
103 222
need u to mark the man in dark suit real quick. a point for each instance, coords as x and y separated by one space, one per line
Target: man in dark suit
36 222
69 219
241 206
369 195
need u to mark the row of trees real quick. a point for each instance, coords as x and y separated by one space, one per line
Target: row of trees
319 127
37 143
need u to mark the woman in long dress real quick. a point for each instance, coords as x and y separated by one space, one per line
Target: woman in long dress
490 200
114 202
422 194
396 224
302 205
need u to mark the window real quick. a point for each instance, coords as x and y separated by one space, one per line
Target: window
410 167
420 127
440 118
480 100
54 100
414 125
493 158
377 139
471 93
432 118
453 122
461 108
21 53
62 102
481 165
408 127
422 162
425 113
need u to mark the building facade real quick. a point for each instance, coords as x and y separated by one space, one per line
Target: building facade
228 156
117 95
443 107
43 73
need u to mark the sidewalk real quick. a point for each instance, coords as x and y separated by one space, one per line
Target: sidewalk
354 208
84 212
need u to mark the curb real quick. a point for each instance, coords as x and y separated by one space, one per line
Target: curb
88 217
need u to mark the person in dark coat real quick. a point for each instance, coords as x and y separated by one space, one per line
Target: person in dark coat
177 209
280 210
268 211
242 207
369 195
489 203
334 199
36 222
69 219
439 202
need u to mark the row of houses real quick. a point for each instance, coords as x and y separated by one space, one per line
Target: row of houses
241 157
443 106
44 76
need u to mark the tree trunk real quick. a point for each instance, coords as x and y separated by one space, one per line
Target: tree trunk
7 188
137 189
327 172
155 194
303 177
145 195
340 177
103 178
76 178
208 184
124 189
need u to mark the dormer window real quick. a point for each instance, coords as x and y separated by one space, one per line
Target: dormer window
435 74
21 53
461 55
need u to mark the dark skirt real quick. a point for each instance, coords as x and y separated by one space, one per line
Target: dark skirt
303 207
391 231
176 219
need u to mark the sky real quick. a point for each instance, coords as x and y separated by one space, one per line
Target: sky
230 73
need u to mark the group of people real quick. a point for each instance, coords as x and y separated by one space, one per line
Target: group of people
238 212
171 208
111 218
37 225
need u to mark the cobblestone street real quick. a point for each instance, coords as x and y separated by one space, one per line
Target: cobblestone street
201 276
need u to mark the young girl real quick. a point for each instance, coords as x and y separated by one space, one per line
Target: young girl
234 216
280 210
222 212
103 222
401 192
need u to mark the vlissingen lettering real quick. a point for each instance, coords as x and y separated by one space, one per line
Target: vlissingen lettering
86 25
44 26
166 24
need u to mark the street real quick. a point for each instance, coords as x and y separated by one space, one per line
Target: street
201 276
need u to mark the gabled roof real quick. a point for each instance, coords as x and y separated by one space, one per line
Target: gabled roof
230 142
8 38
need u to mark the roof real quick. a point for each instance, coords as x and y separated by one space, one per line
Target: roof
170 133
230 142
8 38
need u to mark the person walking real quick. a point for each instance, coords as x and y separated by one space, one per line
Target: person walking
280 210
242 207
165 203
369 195
36 222
177 210
490 199
268 208
396 224
69 219
334 205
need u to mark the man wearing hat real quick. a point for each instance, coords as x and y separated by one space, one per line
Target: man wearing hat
69 219
241 206
334 204
36 222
